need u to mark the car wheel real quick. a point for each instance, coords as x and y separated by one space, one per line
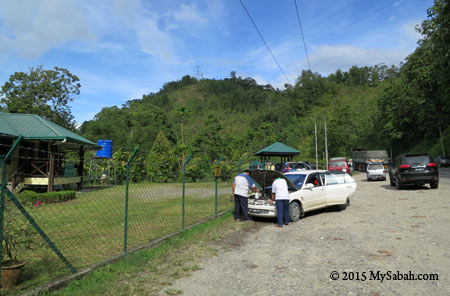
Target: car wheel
391 180
434 185
344 206
400 184
295 211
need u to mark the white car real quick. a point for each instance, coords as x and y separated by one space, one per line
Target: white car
309 190
376 171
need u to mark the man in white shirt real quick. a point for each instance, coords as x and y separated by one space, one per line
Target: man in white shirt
280 194
242 183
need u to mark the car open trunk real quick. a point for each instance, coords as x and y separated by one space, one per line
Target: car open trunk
264 178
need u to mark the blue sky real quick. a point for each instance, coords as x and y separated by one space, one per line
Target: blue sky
122 49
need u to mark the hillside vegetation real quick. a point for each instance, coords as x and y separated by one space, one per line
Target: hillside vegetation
236 116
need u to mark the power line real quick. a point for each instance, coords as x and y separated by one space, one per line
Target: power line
301 30
264 41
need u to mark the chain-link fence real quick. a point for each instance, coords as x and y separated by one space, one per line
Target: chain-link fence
121 206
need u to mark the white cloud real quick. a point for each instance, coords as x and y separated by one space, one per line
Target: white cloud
410 30
152 29
260 80
31 28
188 13
155 42
327 59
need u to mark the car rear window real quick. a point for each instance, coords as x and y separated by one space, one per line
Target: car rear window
375 167
296 179
349 179
297 166
416 159
335 164
333 179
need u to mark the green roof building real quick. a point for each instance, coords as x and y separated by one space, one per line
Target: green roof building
39 160
34 127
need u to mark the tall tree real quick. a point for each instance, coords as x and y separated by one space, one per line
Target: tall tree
209 139
416 105
43 92
161 160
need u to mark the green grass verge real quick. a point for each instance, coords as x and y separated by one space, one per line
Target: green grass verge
149 271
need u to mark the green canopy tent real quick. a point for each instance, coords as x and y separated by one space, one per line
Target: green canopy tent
277 149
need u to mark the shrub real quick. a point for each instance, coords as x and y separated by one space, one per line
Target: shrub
31 197
17 234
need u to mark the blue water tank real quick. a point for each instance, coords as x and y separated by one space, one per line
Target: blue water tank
106 151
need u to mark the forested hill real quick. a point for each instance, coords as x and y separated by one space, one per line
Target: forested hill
236 116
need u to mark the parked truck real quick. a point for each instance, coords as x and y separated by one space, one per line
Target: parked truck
361 157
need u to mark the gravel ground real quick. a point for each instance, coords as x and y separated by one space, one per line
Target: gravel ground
384 230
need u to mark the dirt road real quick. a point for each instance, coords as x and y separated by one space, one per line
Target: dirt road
385 234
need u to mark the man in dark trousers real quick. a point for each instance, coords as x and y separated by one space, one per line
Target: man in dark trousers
280 194
242 183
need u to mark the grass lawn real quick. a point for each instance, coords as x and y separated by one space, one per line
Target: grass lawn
90 228
148 271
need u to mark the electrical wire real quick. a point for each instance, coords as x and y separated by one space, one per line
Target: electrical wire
260 35
303 38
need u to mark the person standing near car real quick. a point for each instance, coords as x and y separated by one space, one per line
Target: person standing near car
280 194
242 183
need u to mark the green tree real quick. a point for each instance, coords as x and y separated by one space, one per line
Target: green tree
209 140
137 123
161 161
197 168
416 106
46 93
111 123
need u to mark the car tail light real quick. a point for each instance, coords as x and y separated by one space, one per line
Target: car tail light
405 166
432 164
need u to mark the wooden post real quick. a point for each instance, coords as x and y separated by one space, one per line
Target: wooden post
80 167
51 174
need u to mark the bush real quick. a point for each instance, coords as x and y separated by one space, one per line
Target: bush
17 234
31 197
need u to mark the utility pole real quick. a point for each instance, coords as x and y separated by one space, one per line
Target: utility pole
442 141
326 147
315 136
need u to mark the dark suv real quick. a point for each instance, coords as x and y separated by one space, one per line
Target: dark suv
415 169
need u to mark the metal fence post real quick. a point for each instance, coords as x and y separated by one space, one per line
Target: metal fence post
2 197
184 189
125 230
215 193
